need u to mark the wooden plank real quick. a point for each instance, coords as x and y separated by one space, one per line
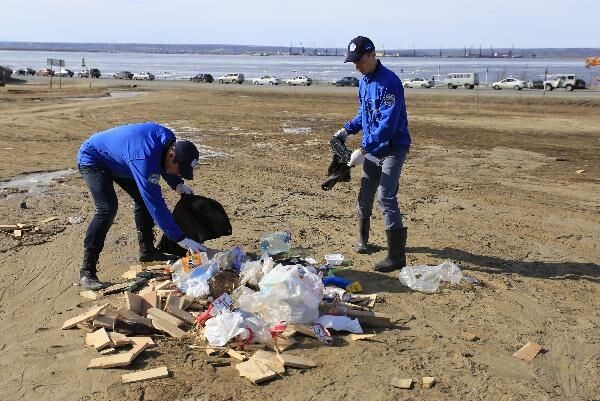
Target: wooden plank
402 383
428 382
8 227
371 319
255 371
149 374
144 340
237 355
283 344
162 315
181 314
130 315
18 233
102 321
92 313
359 337
25 226
528 351
295 329
48 220
118 339
169 328
163 285
270 359
296 361
151 297
173 301
121 287
113 361
98 339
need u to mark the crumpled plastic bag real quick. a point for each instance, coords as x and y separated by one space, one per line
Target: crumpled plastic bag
253 271
341 323
223 327
427 278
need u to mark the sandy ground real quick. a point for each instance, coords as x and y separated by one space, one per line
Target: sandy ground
489 183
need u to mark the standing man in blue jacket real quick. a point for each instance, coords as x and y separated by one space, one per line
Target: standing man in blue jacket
135 157
385 143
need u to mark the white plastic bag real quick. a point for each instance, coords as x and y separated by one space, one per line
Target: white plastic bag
427 278
341 323
270 307
223 327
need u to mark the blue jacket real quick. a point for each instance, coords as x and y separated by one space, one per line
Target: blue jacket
381 112
137 152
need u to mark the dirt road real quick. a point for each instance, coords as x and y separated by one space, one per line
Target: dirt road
491 185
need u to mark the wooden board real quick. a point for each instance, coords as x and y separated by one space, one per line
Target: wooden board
428 382
155 313
295 329
18 233
255 371
168 328
130 315
270 359
151 297
371 319
283 344
144 340
89 315
102 321
113 361
8 227
99 339
293 361
402 383
528 351
118 339
358 337
149 374
48 220
181 314
237 355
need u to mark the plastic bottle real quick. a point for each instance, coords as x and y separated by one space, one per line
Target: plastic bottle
275 243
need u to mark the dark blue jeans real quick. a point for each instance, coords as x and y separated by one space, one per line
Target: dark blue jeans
100 183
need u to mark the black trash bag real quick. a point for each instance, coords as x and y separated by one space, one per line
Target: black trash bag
200 218
338 170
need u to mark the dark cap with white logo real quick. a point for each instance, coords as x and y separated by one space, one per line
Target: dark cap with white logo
357 47
186 155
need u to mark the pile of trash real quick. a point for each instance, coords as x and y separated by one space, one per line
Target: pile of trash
231 306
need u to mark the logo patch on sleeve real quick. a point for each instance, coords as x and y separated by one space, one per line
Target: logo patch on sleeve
389 99
154 178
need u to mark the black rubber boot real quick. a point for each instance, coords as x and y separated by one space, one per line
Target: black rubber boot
148 252
87 274
362 245
396 257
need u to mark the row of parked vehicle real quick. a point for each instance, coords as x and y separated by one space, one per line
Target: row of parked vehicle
238 78
63 72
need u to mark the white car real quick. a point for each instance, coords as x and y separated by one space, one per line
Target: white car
232 78
64 72
144 76
267 80
417 83
299 80
510 83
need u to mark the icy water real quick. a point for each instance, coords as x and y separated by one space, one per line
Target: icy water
183 66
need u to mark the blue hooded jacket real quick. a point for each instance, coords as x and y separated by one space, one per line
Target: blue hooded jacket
381 112
136 151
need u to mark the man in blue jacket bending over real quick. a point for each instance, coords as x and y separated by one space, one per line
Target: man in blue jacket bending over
385 143
135 157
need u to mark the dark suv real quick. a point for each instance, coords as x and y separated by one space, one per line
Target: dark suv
205 78
346 81
123 75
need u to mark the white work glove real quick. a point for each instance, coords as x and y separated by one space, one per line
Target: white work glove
183 189
341 135
357 158
191 245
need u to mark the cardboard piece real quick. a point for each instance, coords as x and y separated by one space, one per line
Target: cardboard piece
113 361
293 361
255 371
89 315
402 383
149 374
528 351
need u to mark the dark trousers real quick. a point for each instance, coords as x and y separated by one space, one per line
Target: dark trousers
381 176
100 183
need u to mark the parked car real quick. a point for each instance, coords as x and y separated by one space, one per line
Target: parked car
346 81
509 83
299 80
536 84
417 83
64 72
205 78
25 71
567 81
467 79
144 76
267 80
123 75
45 72
232 78
89 72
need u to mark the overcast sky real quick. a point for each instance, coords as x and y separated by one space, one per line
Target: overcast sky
391 24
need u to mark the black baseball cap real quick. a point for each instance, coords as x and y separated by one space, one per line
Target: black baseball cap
359 46
186 155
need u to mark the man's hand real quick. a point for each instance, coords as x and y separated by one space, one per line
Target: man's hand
356 158
341 135
184 189
191 245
